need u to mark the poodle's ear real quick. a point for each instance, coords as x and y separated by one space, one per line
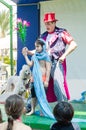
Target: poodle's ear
25 66
20 73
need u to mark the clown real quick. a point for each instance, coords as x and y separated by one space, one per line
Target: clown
57 39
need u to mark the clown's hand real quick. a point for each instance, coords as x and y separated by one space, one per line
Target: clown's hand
62 58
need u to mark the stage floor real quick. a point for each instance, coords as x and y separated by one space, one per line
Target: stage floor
42 123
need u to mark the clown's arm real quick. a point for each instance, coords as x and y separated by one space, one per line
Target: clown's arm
71 48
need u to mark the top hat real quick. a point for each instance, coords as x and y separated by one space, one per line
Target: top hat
49 17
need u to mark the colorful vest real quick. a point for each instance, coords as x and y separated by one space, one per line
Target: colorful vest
56 43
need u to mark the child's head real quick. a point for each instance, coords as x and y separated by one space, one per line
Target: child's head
39 45
63 112
14 106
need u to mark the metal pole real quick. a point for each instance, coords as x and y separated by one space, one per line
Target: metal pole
11 40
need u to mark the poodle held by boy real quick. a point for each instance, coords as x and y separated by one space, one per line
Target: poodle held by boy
18 84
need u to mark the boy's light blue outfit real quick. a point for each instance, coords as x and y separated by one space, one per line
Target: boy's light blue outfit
38 83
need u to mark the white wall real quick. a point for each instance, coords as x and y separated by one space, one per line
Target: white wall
72 16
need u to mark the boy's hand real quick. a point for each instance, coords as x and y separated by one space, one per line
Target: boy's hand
25 51
46 84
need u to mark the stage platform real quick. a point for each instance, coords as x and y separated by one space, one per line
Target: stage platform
41 123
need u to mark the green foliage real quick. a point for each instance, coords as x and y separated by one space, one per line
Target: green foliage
0 58
4 22
7 60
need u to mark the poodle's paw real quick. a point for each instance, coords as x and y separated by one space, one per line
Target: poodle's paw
30 113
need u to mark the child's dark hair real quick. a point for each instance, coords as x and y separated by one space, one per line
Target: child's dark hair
40 42
63 112
13 106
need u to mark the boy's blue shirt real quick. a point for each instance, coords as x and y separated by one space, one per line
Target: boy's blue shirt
38 83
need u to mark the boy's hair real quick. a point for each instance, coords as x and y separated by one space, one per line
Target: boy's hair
63 112
40 42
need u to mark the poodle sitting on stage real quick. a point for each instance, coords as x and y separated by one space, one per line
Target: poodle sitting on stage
18 84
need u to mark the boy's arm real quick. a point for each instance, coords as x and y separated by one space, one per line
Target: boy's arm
29 52
30 63
48 69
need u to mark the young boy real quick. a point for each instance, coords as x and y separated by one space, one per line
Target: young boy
41 64
63 113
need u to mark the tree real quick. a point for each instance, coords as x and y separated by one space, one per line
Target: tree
4 23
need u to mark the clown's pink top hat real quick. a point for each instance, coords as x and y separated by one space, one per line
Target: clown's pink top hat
49 17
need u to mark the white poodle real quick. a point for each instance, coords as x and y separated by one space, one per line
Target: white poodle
18 84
